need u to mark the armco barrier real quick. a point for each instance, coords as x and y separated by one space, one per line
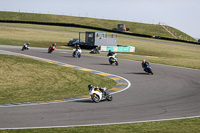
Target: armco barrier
95 28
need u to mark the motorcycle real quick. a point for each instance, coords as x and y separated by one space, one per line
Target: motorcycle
112 60
25 47
97 95
148 69
94 51
51 49
77 53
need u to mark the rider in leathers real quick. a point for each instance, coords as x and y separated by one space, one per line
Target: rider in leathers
54 44
144 64
110 53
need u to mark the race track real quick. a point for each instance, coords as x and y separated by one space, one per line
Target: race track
172 92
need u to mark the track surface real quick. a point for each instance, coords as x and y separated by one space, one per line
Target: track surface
171 92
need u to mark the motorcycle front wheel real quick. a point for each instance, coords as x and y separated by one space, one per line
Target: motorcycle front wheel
116 63
49 50
73 54
95 98
22 48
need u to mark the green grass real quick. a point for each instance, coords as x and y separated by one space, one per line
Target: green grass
139 28
28 80
46 27
37 35
16 36
173 126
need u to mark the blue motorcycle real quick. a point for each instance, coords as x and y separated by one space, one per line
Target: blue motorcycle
148 69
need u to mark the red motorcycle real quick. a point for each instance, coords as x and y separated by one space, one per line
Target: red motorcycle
51 49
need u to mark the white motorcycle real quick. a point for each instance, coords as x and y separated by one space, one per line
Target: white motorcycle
97 95
25 47
77 53
112 60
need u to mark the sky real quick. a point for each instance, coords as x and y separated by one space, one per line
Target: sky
180 14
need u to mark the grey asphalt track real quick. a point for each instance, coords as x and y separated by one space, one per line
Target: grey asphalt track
172 92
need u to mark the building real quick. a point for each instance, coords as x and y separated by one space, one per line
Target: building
94 39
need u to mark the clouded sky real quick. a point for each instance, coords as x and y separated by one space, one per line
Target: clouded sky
181 14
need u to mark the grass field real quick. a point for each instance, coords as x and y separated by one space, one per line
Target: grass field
176 55
28 80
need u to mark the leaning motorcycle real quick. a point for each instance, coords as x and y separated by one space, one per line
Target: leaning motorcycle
51 49
97 95
25 47
148 69
112 60
76 53
94 51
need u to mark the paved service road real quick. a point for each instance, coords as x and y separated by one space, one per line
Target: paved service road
171 92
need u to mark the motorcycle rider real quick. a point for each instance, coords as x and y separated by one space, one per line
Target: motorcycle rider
98 50
144 64
27 44
52 45
101 89
110 53
78 48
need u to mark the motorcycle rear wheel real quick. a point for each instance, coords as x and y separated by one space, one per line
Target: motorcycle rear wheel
109 97
151 72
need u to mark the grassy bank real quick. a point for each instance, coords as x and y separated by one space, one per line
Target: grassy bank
28 80
135 27
173 126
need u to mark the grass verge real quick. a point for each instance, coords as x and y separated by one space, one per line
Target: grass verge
27 80
172 126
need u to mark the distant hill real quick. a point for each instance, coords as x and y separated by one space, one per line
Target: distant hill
134 27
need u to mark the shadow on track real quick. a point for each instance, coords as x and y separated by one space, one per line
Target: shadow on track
101 64
104 64
138 73
84 101
69 56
